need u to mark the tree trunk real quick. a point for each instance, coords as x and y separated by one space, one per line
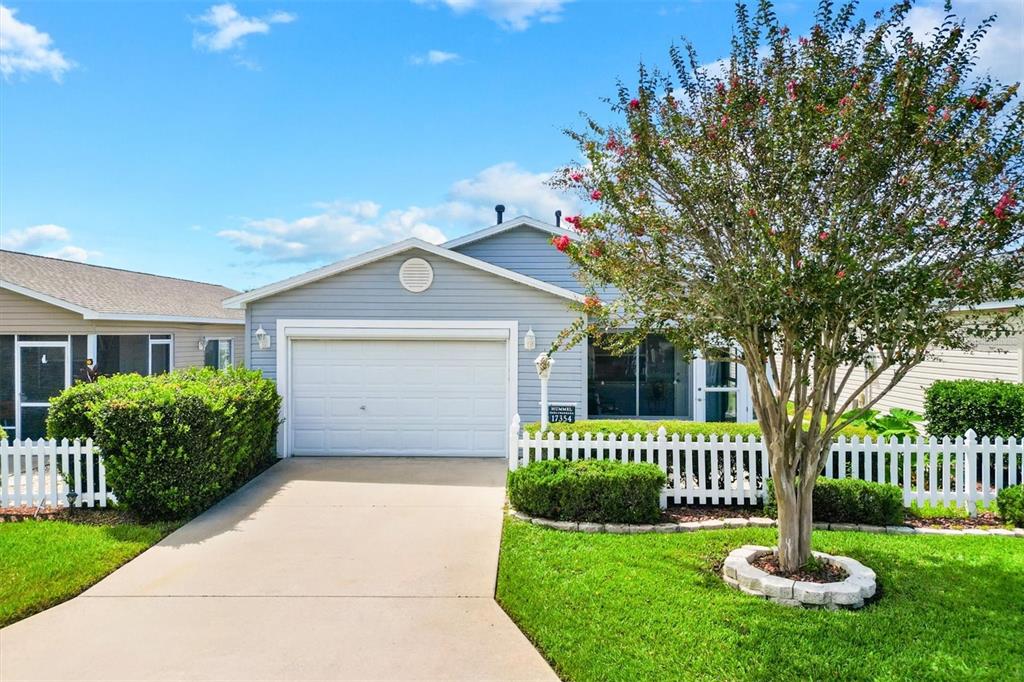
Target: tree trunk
795 524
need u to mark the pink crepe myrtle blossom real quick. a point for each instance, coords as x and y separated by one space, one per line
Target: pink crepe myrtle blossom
595 252
573 220
720 88
804 41
840 274
977 103
820 108
762 100
823 235
561 242
1006 202
800 263
943 223
634 104
838 141
725 122
591 302
751 213
791 89
596 195
576 177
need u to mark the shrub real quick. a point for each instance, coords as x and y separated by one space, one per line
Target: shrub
599 491
643 427
850 500
173 444
991 408
1011 504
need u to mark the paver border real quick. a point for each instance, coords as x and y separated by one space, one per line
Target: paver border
749 522
860 583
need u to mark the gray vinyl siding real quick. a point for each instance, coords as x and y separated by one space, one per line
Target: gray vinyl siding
526 250
458 292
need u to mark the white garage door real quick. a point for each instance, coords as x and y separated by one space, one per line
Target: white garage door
398 397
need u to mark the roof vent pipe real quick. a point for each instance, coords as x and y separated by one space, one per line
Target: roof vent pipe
558 218
499 209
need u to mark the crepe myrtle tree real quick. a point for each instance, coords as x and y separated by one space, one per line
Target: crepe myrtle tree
823 212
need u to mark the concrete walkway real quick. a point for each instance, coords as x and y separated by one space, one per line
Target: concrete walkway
320 569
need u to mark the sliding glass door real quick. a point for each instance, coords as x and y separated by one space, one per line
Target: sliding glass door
652 381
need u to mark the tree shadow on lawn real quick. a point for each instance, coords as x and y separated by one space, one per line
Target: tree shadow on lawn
653 607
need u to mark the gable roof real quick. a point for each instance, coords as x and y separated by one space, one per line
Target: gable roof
518 221
101 293
240 300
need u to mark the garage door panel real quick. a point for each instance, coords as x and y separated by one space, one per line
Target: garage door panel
420 397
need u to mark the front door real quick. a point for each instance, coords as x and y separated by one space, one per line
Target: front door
720 392
42 371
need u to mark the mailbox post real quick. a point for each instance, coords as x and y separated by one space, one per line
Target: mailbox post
544 363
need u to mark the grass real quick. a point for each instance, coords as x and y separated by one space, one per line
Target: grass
652 607
43 563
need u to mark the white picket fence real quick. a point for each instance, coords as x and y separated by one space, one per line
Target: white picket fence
719 470
36 474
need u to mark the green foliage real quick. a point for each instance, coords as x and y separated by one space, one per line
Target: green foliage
599 491
3 434
175 443
1011 504
642 427
849 500
899 422
991 408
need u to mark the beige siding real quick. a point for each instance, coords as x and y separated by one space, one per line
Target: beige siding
23 315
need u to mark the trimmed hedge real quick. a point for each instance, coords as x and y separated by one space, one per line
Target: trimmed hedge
643 427
1011 504
175 443
850 500
598 491
991 408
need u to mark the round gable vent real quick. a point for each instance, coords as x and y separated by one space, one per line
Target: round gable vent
416 275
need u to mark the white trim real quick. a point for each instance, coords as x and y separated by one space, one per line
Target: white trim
240 300
290 330
169 342
90 314
520 221
992 305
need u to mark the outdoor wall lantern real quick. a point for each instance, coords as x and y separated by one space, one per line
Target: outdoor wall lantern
262 338
202 343
530 340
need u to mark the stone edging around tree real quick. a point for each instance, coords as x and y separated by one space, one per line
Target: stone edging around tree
752 522
739 572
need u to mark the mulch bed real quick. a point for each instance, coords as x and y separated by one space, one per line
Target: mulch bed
824 573
684 514
85 516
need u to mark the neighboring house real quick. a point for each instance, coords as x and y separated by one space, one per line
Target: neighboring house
1002 360
417 349
54 314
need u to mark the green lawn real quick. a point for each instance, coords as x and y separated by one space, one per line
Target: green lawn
43 563
652 607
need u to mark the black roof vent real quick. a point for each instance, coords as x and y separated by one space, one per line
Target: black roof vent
499 209
558 218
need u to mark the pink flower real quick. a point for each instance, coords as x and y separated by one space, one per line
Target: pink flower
1006 202
945 115
573 220
595 252
803 41
800 263
576 177
561 242
845 101
591 302
931 109
762 100
720 88
784 31
751 213
838 141
791 89
820 108
823 235
725 121
841 274
596 195
979 103
634 104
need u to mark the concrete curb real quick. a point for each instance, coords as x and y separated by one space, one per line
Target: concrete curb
752 522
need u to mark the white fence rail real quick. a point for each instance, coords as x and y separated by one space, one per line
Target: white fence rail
963 471
42 473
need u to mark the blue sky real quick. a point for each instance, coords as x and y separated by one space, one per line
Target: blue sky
242 143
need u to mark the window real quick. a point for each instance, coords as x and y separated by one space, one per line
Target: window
219 353
139 353
652 381
159 354
7 384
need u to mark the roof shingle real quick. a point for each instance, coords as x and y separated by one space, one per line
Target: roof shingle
113 291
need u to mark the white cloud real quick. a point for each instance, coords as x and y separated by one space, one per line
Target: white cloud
1001 51
512 15
25 49
229 27
433 57
343 228
45 238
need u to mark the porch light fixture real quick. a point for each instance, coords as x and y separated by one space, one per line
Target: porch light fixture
262 338
202 343
530 340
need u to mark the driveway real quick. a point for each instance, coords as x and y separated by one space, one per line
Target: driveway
321 568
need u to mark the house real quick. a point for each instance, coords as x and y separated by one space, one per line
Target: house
419 349
1001 360
55 314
